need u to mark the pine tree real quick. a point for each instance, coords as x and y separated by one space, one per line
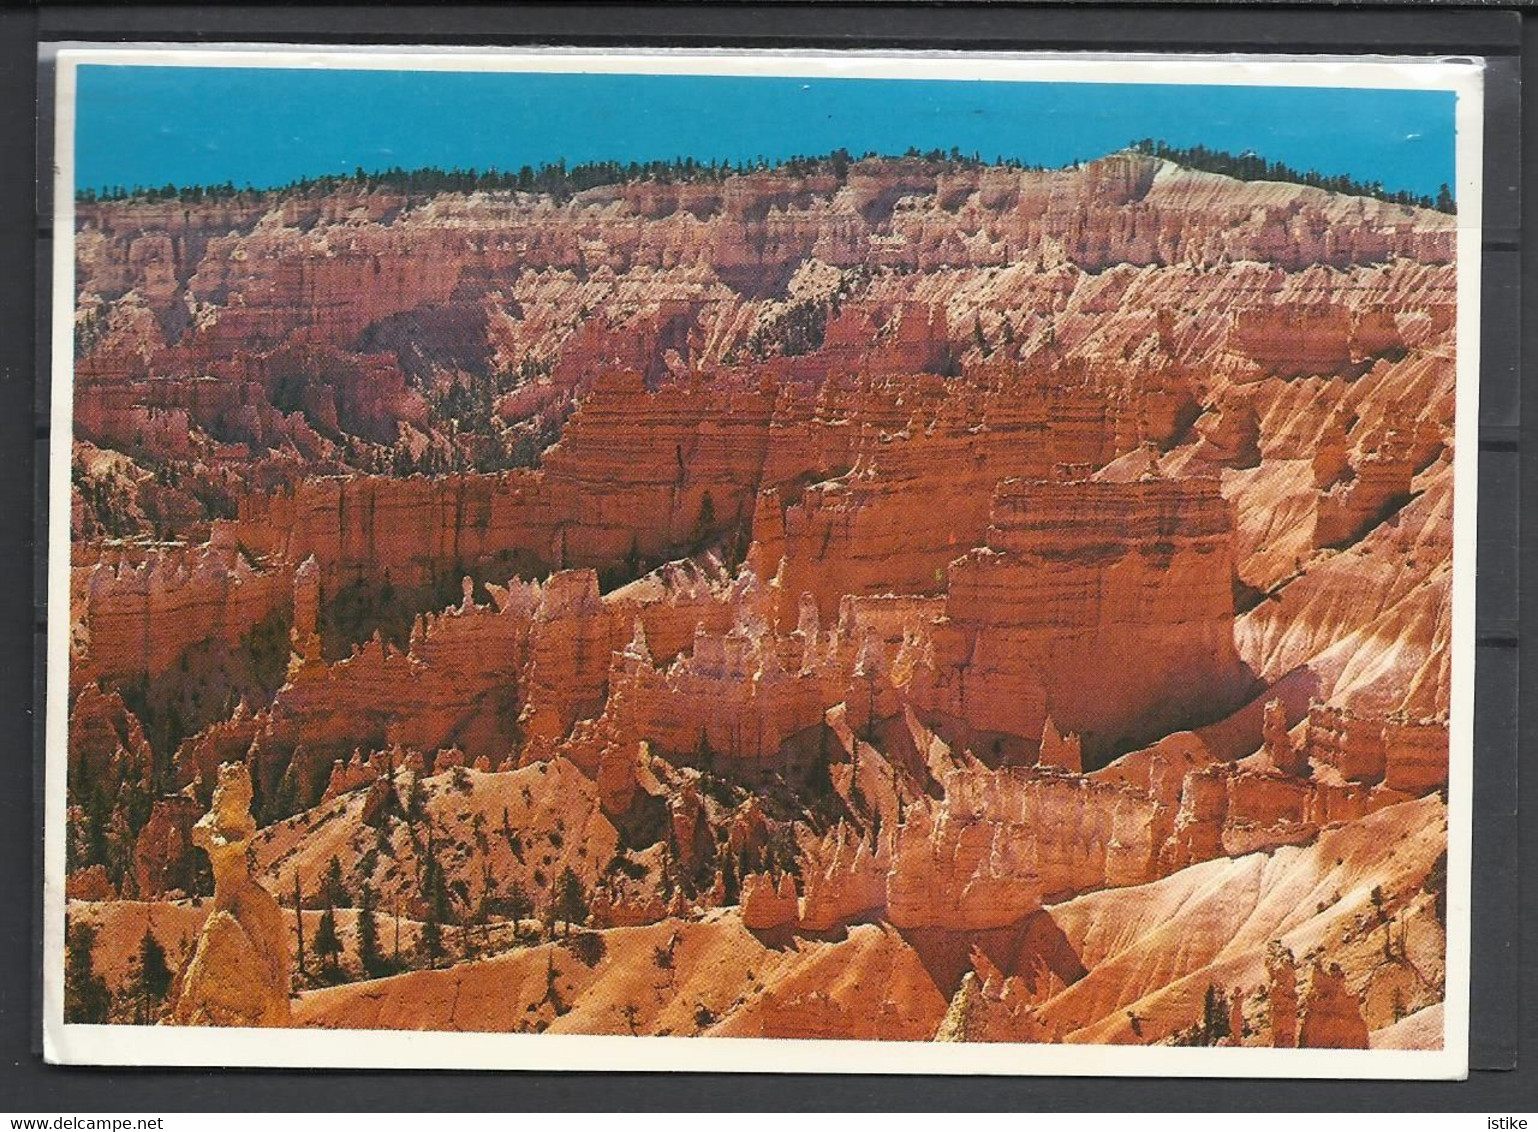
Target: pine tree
152 977
336 890
1214 1016
435 896
510 835
370 958
552 993
397 959
570 899
285 798
98 816
299 923
431 940
518 906
730 884
328 945
86 995
819 777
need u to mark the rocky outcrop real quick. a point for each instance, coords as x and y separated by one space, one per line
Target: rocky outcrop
1282 996
732 695
1154 950
1228 809
105 737
90 883
993 1011
1415 755
239 973
163 850
357 265
134 617
1372 486
1404 754
566 674
456 685
960 867
1331 1017
351 775
844 879
690 827
1230 435
623 910
291 344
1073 596
768 904
1313 339
1353 746
1060 751
1282 753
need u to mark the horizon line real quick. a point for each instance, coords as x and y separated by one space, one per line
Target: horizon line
698 168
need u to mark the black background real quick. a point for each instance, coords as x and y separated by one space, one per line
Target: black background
1504 1045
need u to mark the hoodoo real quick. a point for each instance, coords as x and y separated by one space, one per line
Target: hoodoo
239 973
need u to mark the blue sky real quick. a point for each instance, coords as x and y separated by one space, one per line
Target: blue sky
205 125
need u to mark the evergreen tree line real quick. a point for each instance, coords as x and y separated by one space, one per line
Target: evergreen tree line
556 179
1249 166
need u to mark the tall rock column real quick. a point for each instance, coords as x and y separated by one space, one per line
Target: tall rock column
1279 747
239 972
1236 1016
306 602
1332 1016
1283 996
1059 750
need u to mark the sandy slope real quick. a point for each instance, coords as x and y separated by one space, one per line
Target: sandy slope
1152 949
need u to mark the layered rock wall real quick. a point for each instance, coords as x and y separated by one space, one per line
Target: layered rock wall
1074 595
139 618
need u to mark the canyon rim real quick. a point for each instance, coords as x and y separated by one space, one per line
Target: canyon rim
955 603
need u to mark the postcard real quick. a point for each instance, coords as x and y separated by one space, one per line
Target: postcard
825 562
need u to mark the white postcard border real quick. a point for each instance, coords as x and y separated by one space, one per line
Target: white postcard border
177 1046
